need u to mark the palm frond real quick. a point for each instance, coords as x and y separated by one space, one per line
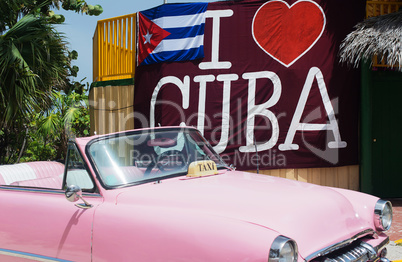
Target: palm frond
50 124
71 114
32 61
381 36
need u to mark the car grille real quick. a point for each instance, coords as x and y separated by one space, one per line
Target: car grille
352 250
353 253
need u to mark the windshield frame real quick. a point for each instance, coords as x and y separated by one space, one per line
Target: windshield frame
140 132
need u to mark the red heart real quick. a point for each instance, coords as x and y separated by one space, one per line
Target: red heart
286 32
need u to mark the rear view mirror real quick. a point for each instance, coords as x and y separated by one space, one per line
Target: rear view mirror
162 142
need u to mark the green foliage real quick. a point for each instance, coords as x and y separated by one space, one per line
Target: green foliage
39 103
45 137
11 142
13 10
32 61
38 150
82 6
50 130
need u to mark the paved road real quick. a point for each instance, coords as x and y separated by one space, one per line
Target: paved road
394 252
395 233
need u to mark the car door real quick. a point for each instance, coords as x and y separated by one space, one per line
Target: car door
38 223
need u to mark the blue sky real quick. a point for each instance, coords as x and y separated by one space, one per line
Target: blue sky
79 29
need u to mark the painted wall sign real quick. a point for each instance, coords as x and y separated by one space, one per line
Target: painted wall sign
270 82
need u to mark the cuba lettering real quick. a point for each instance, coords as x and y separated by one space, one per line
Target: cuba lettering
253 109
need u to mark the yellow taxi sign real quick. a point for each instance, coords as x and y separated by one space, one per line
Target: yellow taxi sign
202 168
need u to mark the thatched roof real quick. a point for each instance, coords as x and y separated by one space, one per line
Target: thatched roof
380 35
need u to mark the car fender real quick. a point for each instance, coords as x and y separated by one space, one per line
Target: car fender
126 232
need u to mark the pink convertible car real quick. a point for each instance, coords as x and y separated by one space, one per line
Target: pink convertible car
164 195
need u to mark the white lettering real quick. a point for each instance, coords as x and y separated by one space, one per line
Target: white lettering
184 88
253 110
215 63
314 73
201 99
223 142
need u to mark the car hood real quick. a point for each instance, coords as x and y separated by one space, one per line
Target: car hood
314 216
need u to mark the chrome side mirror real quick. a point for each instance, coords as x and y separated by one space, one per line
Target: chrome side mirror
73 194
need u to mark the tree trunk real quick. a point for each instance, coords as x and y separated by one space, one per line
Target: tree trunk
23 146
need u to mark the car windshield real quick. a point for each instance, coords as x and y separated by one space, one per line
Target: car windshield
142 156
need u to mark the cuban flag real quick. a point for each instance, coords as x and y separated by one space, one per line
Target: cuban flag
171 32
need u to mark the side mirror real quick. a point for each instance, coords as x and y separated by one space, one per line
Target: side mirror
73 194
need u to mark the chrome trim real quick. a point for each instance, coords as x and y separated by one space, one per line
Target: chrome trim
339 245
371 250
277 246
354 254
382 245
31 189
43 190
378 213
30 256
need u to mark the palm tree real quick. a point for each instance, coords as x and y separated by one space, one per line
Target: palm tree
33 55
32 61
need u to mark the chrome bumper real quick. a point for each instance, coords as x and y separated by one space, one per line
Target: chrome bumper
364 247
362 252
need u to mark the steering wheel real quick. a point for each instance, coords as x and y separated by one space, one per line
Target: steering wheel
159 163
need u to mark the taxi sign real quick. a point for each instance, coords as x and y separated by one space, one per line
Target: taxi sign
202 168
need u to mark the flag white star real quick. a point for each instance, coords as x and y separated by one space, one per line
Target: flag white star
147 37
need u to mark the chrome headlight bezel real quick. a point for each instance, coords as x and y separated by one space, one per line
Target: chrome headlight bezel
383 215
280 245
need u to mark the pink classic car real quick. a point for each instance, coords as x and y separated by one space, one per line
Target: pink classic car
164 195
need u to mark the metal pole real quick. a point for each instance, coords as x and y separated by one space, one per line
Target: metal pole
165 1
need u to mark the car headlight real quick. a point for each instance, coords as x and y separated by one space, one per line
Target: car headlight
283 249
383 215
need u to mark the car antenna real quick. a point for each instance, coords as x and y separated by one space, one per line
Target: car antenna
258 158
